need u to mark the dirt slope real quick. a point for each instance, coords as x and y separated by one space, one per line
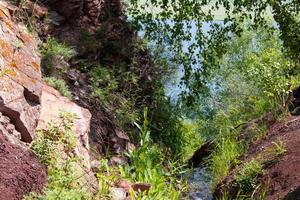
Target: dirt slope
284 177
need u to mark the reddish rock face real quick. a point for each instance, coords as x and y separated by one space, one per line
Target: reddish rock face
26 103
75 9
52 104
20 75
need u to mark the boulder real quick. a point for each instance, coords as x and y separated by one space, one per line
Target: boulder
52 104
27 104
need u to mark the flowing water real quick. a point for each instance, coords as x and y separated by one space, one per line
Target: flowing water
200 181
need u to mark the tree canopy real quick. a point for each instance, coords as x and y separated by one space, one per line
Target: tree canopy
199 51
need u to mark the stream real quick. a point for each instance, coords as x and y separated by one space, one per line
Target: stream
200 183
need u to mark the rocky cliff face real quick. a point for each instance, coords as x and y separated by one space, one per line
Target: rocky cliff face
27 103
20 76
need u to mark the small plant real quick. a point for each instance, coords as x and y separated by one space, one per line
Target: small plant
279 148
107 176
103 83
4 72
51 49
60 85
126 114
272 154
246 179
88 43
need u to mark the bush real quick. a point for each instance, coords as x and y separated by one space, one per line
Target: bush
104 84
220 162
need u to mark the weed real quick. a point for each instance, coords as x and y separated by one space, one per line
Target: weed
246 179
225 154
103 83
107 176
54 148
51 49
4 72
278 149
147 164
272 154
60 85
88 44
126 113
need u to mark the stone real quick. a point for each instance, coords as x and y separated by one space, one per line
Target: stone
141 187
118 160
136 187
118 193
52 104
95 166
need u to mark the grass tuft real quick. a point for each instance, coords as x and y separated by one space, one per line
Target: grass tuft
60 85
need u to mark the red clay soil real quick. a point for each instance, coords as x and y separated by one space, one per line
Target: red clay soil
20 171
283 177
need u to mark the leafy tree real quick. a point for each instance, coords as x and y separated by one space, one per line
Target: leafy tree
183 25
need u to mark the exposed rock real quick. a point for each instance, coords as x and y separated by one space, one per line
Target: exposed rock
93 8
118 160
118 193
73 10
20 79
70 9
9 130
141 187
35 9
95 166
20 171
52 104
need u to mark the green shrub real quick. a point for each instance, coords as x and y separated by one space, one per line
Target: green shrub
87 43
60 85
104 84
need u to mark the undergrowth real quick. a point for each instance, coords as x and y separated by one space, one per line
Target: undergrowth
247 179
147 164
54 147
52 50
252 82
